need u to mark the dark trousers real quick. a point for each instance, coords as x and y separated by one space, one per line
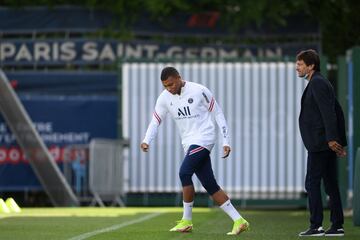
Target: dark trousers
197 160
323 165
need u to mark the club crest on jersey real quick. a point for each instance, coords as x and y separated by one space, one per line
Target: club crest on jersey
184 111
190 100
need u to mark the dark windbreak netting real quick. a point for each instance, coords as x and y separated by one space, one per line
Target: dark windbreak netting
34 148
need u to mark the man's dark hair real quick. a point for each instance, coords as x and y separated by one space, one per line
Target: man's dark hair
167 72
309 57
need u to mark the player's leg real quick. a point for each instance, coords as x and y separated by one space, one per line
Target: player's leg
186 172
206 176
188 201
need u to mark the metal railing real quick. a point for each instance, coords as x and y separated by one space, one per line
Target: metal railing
106 171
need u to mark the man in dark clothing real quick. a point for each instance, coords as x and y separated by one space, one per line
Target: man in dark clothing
322 128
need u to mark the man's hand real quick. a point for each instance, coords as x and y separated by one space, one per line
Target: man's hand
144 147
227 151
336 147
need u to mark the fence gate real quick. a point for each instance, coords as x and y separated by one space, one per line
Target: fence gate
106 171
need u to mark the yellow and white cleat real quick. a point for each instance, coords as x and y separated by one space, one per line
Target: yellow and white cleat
240 225
182 226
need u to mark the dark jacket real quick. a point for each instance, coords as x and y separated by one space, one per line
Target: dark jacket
321 118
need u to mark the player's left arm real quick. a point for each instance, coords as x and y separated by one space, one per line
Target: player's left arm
221 122
215 109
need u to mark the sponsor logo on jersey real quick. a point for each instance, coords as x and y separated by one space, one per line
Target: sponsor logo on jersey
184 111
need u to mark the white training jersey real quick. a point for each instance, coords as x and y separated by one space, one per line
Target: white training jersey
194 111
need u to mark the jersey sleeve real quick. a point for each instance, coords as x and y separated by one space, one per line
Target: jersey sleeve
208 99
158 116
216 110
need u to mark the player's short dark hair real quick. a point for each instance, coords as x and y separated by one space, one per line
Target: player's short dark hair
167 72
309 57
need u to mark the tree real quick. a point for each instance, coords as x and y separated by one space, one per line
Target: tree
338 19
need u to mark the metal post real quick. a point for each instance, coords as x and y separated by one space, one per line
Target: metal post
350 127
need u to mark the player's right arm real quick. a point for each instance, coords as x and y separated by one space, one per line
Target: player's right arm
158 116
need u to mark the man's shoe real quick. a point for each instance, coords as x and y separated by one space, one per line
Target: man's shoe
335 232
240 225
313 232
182 226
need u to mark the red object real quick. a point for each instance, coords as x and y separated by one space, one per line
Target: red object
14 83
203 20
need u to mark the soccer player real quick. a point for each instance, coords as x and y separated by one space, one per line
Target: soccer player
193 108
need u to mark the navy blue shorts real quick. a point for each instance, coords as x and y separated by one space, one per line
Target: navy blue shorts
197 160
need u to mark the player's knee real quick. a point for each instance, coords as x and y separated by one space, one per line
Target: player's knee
211 187
185 178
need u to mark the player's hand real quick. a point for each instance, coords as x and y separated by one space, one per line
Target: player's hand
144 147
227 151
336 147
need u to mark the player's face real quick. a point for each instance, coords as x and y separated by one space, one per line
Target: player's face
173 84
302 69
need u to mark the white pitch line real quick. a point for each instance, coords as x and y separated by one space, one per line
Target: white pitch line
115 227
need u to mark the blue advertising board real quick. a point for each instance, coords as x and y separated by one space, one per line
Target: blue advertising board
61 121
87 52
64 82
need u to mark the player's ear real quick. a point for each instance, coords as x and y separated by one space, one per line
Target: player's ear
312 66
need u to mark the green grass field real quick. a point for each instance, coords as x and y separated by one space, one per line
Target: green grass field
151 223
